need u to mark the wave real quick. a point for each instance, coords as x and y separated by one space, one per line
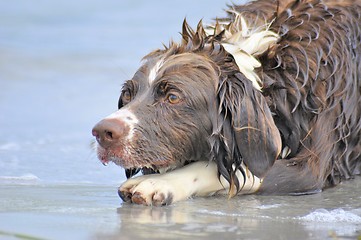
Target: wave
23 179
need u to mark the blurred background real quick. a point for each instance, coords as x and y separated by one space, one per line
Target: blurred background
62 64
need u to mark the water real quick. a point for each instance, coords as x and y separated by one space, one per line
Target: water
61 68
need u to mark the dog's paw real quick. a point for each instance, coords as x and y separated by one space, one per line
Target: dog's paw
147 190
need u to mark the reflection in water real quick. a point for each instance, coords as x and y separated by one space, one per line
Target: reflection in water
246 217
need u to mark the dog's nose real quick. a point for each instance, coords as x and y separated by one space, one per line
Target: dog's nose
108 132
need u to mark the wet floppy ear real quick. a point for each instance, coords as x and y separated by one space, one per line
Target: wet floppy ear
257 139
257 136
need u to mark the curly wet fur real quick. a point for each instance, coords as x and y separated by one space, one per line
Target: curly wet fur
309 105
311 82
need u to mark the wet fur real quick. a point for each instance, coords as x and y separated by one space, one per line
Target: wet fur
312 83
310 101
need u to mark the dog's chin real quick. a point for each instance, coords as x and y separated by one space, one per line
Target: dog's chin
131 163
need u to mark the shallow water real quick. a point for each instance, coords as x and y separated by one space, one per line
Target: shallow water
61 68
89 211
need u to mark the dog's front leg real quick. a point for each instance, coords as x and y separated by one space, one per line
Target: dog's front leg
195 179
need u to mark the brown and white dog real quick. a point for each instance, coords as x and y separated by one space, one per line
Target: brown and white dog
266 100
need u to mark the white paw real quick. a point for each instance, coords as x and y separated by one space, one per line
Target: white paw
147 190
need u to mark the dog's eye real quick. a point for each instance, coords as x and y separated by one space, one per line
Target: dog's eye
126 96
173 98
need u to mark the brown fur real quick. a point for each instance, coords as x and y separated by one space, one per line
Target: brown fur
310 101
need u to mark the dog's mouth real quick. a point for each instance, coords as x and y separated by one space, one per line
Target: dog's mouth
133 163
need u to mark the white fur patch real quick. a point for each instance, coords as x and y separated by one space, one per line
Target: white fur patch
195 179
154 71
127 117
245 44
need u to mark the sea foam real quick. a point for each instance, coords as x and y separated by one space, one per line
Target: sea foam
332 216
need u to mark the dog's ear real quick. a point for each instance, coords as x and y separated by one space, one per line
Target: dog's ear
248 129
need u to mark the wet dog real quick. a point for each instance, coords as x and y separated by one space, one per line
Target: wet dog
266 100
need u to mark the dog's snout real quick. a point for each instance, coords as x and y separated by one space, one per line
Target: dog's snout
109 131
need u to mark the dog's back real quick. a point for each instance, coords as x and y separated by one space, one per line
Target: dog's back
312 81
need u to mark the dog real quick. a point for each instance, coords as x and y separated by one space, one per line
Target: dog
266 100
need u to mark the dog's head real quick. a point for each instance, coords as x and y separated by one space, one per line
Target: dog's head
190 102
